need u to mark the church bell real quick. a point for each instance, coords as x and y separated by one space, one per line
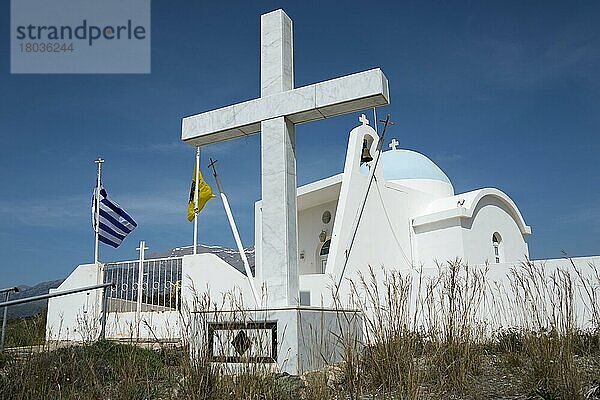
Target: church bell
366 155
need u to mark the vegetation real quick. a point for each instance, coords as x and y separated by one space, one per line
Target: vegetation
433 336
26 331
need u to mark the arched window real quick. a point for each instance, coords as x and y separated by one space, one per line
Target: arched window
323 254
496 243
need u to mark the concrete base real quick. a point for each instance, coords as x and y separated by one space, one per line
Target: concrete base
291 339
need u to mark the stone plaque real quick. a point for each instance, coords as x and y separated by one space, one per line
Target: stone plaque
235 342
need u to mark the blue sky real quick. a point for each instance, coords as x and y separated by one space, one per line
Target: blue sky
503 94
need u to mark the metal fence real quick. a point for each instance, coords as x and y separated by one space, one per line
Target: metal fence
160 283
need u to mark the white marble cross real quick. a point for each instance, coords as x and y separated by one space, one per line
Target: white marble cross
363 119
394 144
274 114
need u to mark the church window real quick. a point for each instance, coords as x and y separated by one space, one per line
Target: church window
325 248
323 254
496 241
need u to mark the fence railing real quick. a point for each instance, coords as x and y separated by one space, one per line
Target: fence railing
159 288
103 286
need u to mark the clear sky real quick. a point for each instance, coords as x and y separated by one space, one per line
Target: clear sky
503 94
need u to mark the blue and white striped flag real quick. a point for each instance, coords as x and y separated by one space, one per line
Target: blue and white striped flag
115 223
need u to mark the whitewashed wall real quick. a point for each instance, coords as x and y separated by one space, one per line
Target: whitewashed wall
439 242
75 317
491 216
310 226
499 307
155 325
206 274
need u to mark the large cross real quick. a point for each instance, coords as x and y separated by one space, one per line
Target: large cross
274 114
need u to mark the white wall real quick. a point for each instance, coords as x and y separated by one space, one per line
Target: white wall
491 215
310 226
439 242
75 316
500 309
208 275
161 325
588 266
457 233
321 288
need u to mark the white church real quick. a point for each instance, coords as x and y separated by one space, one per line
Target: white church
389 209
411 218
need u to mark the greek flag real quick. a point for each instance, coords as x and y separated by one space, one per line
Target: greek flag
115 224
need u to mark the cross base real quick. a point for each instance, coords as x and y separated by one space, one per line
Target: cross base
291 339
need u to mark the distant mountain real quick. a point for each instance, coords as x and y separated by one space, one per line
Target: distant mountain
230 256
24 310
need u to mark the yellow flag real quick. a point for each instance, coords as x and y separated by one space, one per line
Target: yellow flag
204 194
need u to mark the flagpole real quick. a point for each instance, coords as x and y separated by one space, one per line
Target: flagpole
236 234
197 178
99 161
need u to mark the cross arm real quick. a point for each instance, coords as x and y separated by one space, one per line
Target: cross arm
320 100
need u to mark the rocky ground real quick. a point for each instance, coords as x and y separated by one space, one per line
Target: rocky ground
499 376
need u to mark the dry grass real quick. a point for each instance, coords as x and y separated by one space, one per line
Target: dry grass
433 336
27 331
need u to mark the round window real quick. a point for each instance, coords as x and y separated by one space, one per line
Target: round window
326 217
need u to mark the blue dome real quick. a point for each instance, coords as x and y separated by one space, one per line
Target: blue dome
407 164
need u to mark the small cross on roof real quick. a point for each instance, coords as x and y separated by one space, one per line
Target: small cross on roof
363 119
394 144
